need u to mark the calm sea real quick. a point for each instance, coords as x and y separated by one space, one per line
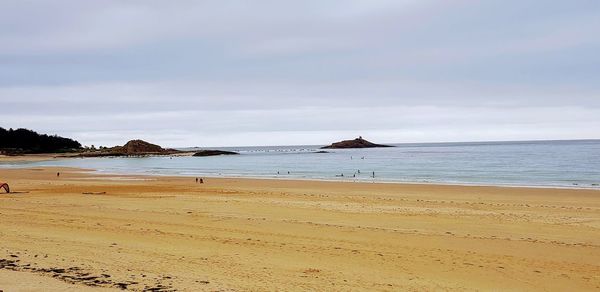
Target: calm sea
574 164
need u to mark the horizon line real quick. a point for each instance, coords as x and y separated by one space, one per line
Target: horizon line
408 143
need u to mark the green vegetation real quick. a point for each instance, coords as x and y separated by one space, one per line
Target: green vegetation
23 141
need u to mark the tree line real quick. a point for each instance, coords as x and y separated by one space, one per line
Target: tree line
27 141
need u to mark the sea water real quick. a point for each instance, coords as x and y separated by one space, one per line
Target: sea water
573 164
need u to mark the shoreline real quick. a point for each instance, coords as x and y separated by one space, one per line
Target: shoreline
391 182
168 232
274 177
24 161
30 157
82 174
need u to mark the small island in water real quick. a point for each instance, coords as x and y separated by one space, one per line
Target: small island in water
356 143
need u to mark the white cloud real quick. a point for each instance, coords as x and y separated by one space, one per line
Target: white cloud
280 72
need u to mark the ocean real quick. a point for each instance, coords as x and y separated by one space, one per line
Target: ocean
572 164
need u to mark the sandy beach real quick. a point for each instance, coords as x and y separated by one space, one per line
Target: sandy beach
106 232
29 157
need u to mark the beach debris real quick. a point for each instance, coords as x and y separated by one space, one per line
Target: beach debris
94 193
78 275
5 187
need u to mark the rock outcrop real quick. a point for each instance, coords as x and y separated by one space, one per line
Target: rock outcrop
132 148
356 143
203 153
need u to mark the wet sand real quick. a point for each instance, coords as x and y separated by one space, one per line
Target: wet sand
167 233
28 157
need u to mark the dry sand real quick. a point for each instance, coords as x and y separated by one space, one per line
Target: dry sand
12 281
242 234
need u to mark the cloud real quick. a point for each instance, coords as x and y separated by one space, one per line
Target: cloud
239 72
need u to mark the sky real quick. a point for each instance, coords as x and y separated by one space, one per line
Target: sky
234 73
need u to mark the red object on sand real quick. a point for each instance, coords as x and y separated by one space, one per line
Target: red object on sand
5 187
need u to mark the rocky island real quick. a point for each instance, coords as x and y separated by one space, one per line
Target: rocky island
132 148
356 143
203 153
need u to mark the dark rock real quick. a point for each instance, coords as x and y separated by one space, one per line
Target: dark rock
121 285
356 143
203 153
140 146
135 147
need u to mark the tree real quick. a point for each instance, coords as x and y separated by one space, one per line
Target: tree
28 141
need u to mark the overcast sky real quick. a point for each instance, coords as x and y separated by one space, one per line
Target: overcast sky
219 73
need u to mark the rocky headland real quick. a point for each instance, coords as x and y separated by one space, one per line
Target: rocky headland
132 148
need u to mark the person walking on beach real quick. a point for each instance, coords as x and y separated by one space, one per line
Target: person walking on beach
196 180
57 174
201 180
